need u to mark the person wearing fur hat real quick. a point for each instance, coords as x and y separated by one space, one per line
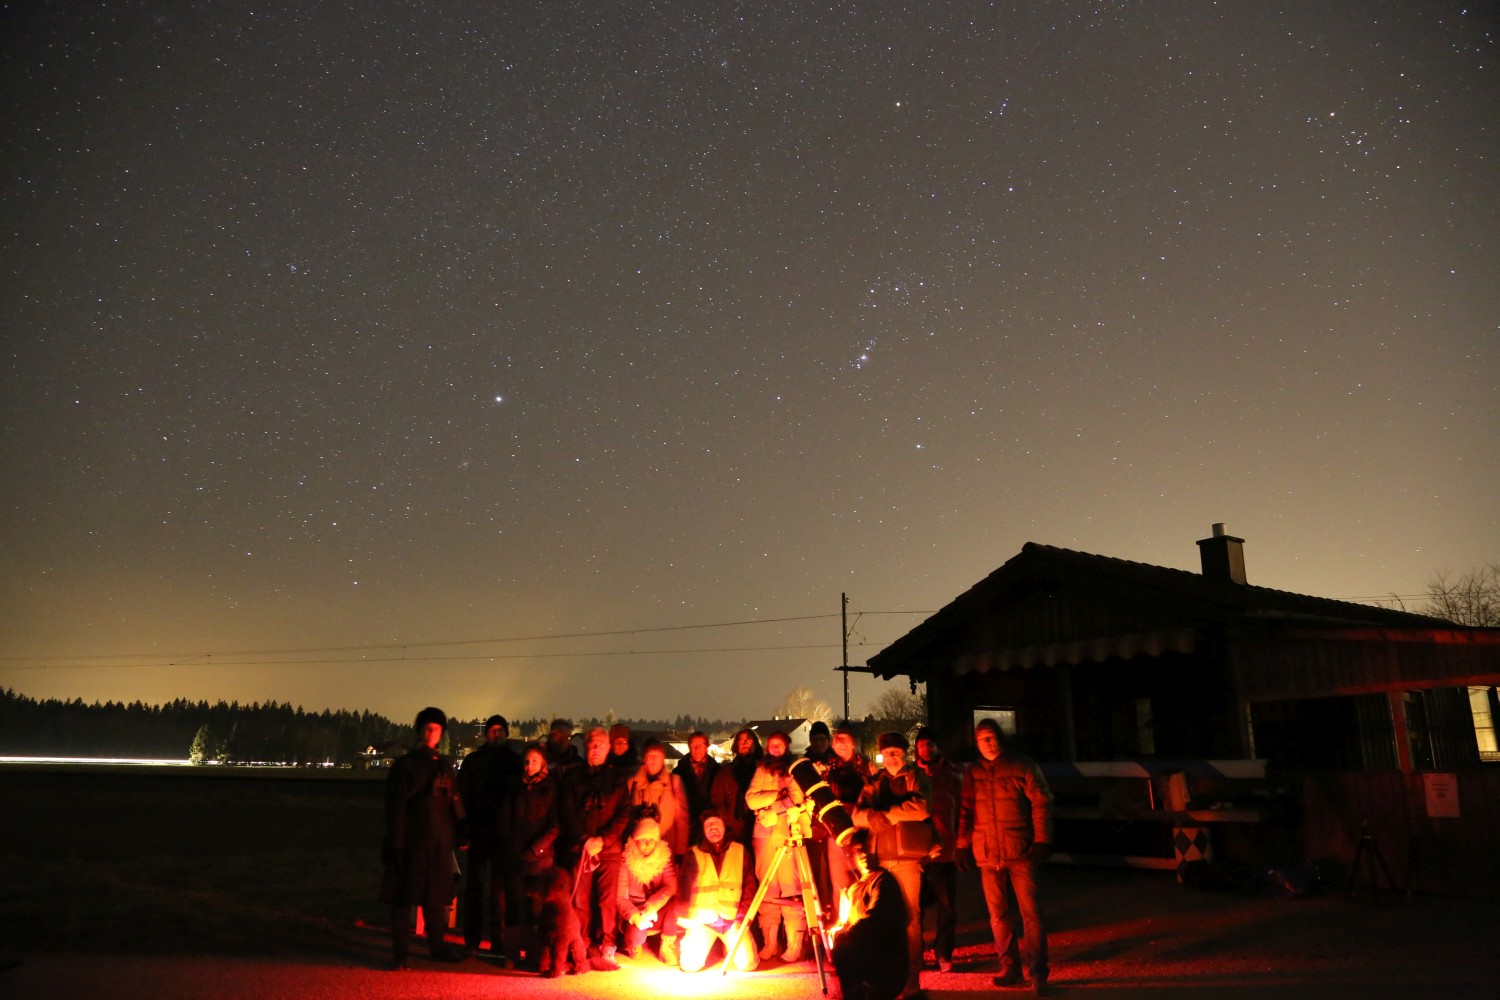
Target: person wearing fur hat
646 884
484 779
898 794
422 810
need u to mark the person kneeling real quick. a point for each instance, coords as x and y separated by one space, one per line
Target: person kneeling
647 883
869 940
717 887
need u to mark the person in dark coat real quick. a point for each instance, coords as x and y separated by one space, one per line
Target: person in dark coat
593 809
422 810
820 752
562 755
847 773
940 874
530 827
622 750
898 793
697 771
731 784
483 781
819 745
869 940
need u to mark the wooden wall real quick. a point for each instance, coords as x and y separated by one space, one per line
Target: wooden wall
1440 855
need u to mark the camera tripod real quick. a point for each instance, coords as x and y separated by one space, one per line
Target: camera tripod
810 904
1369 862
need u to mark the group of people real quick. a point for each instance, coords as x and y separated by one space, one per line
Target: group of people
639 850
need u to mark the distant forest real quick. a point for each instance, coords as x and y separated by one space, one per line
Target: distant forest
228 732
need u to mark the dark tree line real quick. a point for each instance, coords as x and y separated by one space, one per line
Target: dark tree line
226 732
536 728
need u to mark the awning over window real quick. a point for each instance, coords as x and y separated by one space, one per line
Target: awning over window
1179 640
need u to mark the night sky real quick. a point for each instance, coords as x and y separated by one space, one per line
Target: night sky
343 341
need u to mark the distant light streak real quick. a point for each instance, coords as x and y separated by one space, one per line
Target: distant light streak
96 760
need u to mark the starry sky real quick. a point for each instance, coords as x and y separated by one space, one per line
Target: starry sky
565 357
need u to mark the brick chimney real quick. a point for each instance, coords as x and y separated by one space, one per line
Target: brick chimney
1223 556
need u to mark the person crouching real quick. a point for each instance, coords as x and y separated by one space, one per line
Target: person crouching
869 940
647 883
718 882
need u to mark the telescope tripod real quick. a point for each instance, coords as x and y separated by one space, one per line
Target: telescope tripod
810 904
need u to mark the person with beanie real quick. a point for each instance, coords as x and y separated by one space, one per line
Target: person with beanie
896 796
422 810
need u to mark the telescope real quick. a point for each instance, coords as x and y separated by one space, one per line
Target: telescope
826 807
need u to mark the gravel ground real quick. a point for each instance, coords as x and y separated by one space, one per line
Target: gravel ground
1115 934
167 889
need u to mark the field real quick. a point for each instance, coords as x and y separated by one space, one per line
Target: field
268 880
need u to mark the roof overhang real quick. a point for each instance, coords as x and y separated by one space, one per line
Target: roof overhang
1095 649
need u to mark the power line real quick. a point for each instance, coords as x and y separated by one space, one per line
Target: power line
174 659
208 660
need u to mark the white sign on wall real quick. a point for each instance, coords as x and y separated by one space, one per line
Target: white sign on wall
1442 794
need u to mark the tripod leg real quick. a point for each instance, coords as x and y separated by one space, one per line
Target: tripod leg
1359 857
1380 860
814 914
733 943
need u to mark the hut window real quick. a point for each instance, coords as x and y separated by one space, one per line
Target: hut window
1482 703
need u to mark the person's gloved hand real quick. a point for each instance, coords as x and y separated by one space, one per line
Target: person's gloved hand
963 858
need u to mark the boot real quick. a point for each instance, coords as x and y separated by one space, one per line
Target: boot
793 951
768 934
670 955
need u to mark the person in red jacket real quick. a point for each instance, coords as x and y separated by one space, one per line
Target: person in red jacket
1005 827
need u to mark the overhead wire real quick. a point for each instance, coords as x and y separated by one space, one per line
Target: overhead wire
96 661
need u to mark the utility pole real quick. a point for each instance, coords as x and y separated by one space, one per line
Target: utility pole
844 629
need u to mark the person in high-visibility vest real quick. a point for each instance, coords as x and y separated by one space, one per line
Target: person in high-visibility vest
716 885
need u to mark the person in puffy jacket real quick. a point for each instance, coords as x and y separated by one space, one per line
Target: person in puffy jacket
1005 827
